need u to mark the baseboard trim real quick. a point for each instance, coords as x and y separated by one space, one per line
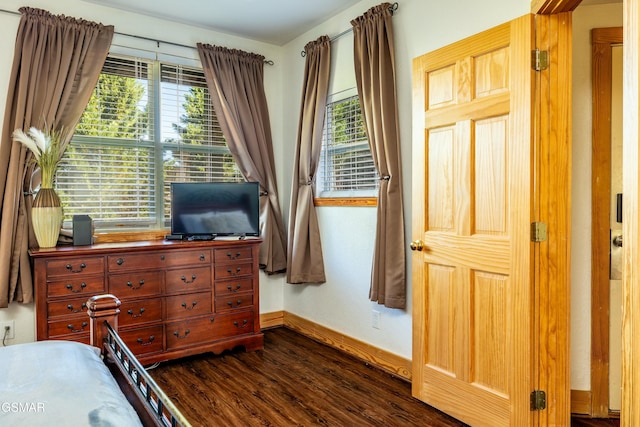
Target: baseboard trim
377 357
581 402
271 320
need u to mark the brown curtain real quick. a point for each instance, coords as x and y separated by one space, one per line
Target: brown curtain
56 65
375 78
305 263
236 83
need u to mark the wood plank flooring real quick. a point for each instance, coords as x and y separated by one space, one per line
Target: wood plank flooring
595 422
294 381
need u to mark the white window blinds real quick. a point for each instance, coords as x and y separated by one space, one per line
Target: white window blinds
147 124
346 167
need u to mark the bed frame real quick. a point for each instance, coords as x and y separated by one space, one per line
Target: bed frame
153 407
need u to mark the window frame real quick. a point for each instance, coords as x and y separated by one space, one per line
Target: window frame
343 198
156 226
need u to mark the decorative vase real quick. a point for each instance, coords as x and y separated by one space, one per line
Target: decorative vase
46 216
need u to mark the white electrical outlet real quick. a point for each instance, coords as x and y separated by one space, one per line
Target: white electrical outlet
375 319
12 332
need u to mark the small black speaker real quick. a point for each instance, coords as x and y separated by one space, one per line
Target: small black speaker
82 230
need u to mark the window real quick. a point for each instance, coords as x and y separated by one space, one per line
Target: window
148 124
346 168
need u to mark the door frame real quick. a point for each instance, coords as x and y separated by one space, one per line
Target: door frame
552 180
602 40
629 411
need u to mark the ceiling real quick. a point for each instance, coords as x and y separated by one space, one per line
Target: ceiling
270 21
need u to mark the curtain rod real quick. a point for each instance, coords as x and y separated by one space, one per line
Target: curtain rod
392 9
266 61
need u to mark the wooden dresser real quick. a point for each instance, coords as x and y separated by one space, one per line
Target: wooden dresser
179 298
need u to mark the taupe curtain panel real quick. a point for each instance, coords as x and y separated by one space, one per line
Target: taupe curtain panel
305 263
236 83
375 78
56 65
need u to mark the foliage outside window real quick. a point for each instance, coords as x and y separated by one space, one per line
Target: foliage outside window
148 124
346 168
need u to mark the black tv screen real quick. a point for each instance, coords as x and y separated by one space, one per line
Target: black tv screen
215 209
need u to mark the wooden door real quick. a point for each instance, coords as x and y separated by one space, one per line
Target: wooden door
473 299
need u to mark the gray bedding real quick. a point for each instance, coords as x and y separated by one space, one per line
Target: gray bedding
59 383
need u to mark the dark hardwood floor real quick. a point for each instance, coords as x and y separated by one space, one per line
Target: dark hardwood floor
595 422
296 381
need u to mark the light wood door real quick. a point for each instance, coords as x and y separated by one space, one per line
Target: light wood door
473 187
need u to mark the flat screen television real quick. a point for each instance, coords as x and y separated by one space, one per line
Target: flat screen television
203 210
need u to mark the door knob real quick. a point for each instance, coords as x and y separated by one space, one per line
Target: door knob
417 245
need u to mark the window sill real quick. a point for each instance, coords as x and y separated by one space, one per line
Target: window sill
346 201
129 236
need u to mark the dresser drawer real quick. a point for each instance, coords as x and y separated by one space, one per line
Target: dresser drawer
67 307
190 332
191 257
143 340
135 285
154 260
129 262
78 326
140 311
188 279
237 269
229 325
232 287
188 305
233 254
75 266
232 302
76 286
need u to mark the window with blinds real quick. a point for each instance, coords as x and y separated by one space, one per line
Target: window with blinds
346 166
147 124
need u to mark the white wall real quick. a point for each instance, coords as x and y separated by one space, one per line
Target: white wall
342 303
134 24
347 233
584 19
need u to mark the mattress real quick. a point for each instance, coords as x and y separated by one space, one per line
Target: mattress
60 383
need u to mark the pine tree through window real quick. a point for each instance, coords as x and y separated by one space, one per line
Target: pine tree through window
148 124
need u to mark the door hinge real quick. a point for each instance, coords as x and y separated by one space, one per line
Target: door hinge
538 400
538 231
539 59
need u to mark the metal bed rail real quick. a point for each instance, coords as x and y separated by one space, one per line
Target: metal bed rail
162 410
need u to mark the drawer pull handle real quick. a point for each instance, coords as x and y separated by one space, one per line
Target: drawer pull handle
70 327
202 257
238 286
82 308
120 261
130 313
230 271
230 303
231 256
193 304
161 257
75 291
244 323
151 338
82 267
141 282
177 334
193 279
